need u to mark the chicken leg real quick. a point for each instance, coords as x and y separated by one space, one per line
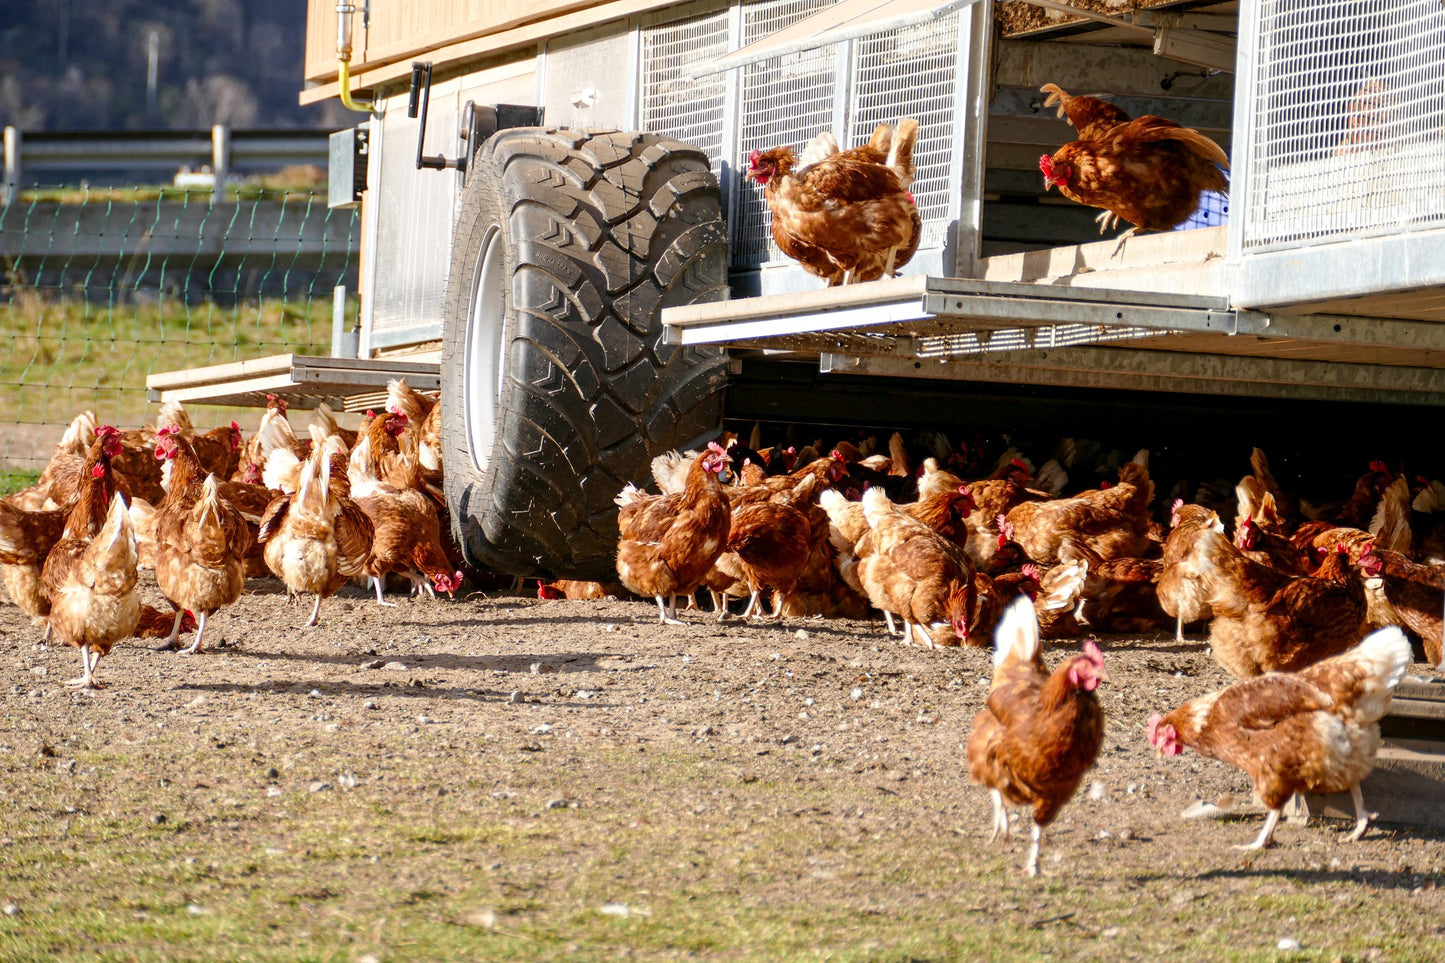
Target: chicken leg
1362 815
1106 220
195 645
719 604
1032 865
375 580
174 642
668 612
87 680
1000 816
1122 238
1266 834
315 613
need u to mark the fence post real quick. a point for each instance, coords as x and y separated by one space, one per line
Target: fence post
344 337
220 160
10 186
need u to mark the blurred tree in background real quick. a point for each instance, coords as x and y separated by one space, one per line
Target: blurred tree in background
145 64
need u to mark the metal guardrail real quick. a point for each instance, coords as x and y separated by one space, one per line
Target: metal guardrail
220 148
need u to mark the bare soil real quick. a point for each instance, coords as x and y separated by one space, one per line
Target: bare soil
808 774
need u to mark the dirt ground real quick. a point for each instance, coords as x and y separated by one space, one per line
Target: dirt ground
510 697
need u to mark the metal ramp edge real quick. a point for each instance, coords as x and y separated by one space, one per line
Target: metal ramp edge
1022 332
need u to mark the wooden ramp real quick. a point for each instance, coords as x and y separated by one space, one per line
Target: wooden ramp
352 384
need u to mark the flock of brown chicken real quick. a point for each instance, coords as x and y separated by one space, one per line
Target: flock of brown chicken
207 510
999 561
1288 599
843 531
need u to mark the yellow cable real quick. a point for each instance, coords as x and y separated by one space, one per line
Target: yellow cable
343 77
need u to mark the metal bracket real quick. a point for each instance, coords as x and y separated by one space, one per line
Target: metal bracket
478 122
421 89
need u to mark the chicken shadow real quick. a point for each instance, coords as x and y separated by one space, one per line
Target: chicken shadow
521 663
1162 644
409 690
1382 879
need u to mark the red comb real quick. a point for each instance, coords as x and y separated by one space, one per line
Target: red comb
1379 466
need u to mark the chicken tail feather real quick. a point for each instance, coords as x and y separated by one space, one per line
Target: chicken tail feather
900 151
1056 95
1018 633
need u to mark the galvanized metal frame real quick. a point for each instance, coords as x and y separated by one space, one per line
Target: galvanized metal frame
1369 259
1126 369
954 214
353 383
1083 337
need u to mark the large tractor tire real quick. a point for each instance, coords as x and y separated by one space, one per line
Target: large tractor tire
556 387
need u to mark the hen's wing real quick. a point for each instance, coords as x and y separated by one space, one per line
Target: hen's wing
1151 129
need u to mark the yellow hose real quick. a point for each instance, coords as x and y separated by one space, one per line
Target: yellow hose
343 77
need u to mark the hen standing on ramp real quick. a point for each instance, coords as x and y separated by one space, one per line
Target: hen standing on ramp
844 215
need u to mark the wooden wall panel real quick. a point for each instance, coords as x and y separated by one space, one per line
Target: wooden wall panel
406 28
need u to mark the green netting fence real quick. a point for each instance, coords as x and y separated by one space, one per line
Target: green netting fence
101 288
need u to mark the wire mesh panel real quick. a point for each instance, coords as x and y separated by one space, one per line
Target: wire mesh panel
788 99
784 100
913 72
101 288
1347 123
674 104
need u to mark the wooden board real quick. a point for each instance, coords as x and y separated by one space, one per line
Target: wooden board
305 382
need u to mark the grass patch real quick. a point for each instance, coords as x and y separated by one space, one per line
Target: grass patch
67 356
299 182
13 480
786 874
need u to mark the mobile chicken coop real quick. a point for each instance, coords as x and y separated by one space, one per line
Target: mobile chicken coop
555 223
